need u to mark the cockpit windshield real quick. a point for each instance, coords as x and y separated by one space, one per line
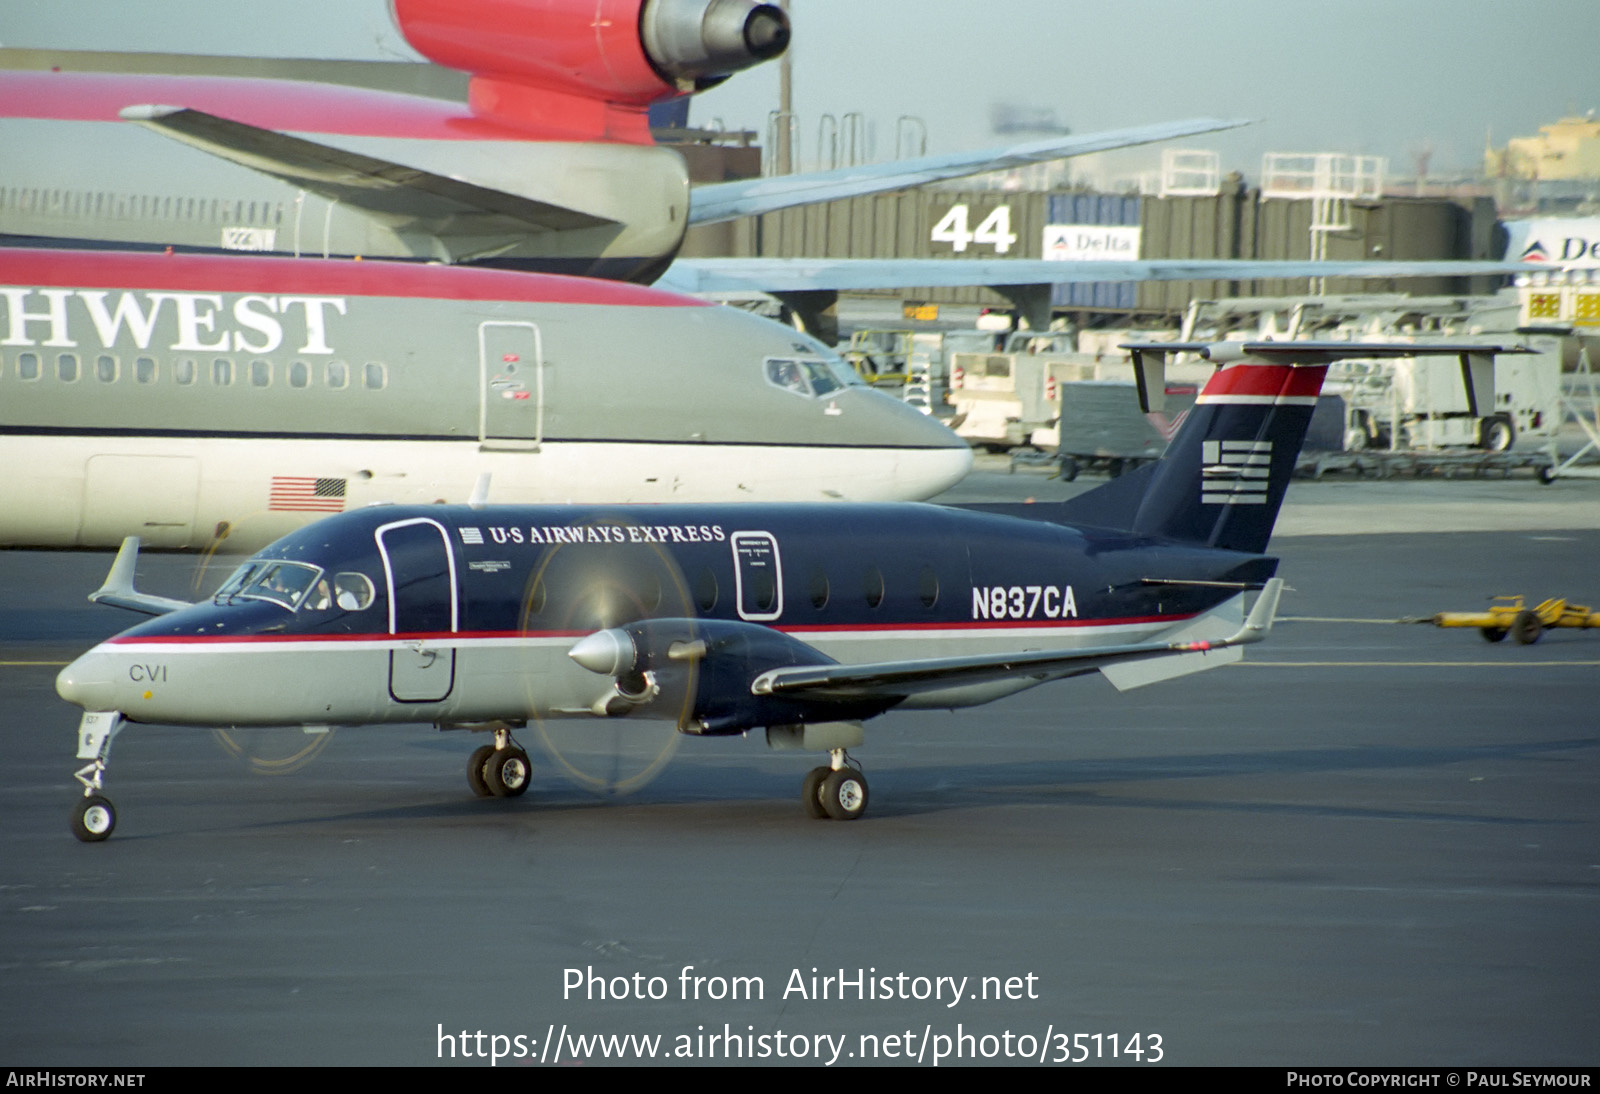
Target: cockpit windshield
811 376
282 583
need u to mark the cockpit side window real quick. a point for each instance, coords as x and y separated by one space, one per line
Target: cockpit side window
785 372
352 591
810 376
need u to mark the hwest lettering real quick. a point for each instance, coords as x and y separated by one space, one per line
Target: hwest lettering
192 322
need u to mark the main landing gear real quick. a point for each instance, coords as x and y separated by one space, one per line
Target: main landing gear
500 770
94 818
837 792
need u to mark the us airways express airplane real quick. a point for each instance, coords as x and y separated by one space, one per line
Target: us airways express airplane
804 621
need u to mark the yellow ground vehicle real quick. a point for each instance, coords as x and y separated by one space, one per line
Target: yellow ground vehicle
1513 617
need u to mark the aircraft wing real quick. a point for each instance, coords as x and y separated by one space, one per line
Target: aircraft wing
780 275
750 197
441 206
854 683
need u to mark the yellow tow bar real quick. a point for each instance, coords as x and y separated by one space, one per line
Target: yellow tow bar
1510 615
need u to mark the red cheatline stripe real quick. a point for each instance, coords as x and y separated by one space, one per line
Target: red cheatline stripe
1281 381
315 276
812 632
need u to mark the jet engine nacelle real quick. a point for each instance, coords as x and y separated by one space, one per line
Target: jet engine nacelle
718 659
625 52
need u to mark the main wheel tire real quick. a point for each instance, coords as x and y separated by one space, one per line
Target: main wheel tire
508 773
1498 435
844 794
1547 474
1526 628
1069 469
811 792
476 764
1492 634
94 819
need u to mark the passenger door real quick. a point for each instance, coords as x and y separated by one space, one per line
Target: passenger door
422 584
511 386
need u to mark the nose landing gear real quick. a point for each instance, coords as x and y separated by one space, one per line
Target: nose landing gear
94 818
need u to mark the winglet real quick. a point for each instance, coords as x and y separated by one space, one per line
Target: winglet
118 590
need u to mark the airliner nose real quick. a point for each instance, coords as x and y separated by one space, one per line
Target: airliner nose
87 682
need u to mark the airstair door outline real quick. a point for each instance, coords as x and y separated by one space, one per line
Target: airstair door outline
419 570
511 404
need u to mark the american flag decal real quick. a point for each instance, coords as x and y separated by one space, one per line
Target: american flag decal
1235 472
301 494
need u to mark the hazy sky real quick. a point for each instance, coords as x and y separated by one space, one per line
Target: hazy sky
1385 77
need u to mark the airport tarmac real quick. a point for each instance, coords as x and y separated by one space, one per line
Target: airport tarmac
1367 844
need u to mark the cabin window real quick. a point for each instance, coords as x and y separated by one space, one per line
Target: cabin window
183 370
928 587
373 376
260 373
649 591
338 374
536 600
67 367
873 586
222 371
705 589
105 369
819 589
299 374
144 370
27 366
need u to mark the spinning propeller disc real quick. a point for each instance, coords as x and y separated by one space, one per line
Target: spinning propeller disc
578 589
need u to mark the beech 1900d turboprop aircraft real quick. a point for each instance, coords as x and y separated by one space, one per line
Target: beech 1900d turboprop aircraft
803 620
186 398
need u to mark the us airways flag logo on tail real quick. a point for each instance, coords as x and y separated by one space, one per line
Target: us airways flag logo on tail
303 494
1235 472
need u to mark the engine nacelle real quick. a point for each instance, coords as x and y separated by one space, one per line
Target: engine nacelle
625 52
702 670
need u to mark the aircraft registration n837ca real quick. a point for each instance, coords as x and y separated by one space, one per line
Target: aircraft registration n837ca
804 620
186 397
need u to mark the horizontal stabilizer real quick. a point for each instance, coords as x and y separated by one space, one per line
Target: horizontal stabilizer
118 590
751 197
406 196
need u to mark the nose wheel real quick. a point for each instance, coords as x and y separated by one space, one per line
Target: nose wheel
838 792
93 819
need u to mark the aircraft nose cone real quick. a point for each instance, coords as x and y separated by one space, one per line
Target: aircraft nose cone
608 652
87 682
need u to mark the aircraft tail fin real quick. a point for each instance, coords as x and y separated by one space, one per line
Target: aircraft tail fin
1223 477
